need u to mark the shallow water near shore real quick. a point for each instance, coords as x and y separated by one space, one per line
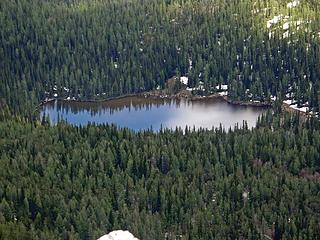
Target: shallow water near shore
139 113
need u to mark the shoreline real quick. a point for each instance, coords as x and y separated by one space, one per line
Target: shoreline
155 96
159 95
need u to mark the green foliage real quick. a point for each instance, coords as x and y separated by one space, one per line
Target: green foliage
97 49
66 182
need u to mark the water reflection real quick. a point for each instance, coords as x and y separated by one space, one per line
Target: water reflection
139 113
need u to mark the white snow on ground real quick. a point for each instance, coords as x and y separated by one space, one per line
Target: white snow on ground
184 80
289 101
245 195
223 87
260 10
118 235
274 20
224 93
301 109
293 4
288 95
190 89
295 106
273 98
314 113
66 89
55 95
285 26
271 34
190 63
197 88
285 34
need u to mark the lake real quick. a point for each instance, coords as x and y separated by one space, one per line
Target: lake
139 113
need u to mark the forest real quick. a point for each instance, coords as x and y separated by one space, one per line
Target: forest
65 182
102 48
81 182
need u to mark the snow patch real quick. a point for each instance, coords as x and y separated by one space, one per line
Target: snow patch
291 104
301 109
66 89
273 98
222 87
118 235
245 195
274 20
285 26
289 101
184 80
190 63
224 93
293 4
285 34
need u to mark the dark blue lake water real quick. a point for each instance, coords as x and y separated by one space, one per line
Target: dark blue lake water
138 113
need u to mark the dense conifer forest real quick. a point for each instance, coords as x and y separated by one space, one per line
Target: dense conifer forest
100 48
67 182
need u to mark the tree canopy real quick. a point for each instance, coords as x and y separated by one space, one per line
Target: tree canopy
97 49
